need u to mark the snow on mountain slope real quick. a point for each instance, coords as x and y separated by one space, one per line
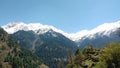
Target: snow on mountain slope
36 27
104 29
14 27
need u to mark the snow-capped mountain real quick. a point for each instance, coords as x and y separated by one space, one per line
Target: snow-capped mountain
45 43
41 40
36 27
103 34
104 30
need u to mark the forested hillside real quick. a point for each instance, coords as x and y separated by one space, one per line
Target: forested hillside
13 56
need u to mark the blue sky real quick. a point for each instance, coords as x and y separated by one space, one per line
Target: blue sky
68 15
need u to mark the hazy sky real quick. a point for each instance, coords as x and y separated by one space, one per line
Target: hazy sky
68 15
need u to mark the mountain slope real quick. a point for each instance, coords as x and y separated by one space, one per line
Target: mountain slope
13 56
51 46
103 34
104 29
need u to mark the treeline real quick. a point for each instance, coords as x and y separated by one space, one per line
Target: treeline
90 57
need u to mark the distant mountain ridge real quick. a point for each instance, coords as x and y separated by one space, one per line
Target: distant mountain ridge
35 27
104 29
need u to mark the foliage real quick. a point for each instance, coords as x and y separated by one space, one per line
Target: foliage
111 55
90 57
13 56
23 58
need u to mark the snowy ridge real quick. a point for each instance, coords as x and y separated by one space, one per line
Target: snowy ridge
104 29
14 27
36 27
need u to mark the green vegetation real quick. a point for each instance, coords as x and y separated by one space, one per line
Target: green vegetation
110 56
90 57
22 58
13 56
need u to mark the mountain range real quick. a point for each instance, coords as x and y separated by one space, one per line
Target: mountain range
54 45
105 30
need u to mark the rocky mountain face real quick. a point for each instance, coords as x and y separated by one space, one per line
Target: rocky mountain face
51 46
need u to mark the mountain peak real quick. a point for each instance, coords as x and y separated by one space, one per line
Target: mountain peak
104 29
36 27
107 27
